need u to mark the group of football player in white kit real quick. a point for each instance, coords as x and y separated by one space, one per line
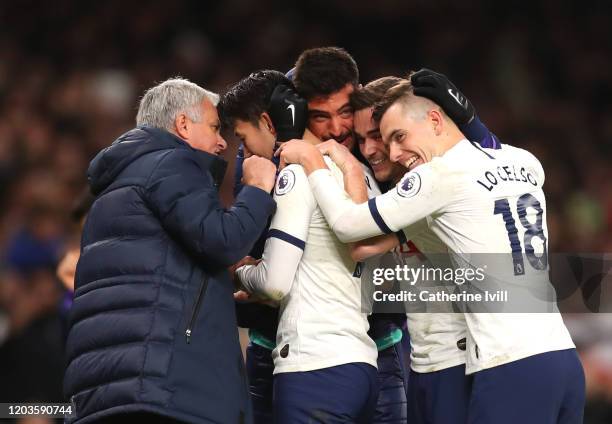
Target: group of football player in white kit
410 177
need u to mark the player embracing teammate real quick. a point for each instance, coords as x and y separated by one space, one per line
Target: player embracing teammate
520 367
523 365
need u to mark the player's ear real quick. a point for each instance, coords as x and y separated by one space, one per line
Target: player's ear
266 121
181 126
437 121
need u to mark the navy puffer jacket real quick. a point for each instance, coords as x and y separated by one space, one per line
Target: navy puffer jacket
153 325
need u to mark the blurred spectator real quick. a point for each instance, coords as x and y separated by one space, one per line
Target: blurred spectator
31 355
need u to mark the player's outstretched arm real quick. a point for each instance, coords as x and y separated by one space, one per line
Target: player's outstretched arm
438 88
336 204
419 194
355 187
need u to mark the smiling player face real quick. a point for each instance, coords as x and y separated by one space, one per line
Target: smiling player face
332 116
369 140
411 139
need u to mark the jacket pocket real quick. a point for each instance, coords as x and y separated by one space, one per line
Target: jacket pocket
196 309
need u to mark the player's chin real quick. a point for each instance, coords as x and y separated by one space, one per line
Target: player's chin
382 175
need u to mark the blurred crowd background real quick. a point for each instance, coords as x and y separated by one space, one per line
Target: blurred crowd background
71 74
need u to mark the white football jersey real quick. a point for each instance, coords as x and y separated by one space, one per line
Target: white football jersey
437 339
488 208
321 321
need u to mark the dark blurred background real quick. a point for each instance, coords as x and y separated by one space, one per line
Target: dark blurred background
71 74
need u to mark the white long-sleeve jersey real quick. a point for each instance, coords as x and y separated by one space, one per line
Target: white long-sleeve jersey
310 271
477 202
437 339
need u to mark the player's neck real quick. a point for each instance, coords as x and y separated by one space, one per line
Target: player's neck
310 137
449 141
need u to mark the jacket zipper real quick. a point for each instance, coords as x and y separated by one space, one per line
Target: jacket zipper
196 309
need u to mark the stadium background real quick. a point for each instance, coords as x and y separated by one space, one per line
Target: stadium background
71 74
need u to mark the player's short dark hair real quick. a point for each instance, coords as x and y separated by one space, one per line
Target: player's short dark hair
399 92
370 94
324 70
250 97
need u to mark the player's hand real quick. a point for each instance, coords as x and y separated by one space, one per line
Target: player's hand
247 260
440 89
242 296
289 113
259 172
295 151
340 154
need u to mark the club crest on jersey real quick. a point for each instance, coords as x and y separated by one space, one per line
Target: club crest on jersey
285 182
410 185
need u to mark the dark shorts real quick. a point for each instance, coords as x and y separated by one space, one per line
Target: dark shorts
548 388
341 394
439 397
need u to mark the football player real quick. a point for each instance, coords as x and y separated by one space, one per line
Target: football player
324 361
265 103
524 365
327 77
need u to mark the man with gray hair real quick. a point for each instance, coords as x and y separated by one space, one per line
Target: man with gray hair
153 333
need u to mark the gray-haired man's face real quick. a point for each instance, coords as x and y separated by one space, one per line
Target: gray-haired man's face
205 135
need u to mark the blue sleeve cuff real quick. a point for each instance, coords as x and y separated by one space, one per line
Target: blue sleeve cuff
377 217
281 235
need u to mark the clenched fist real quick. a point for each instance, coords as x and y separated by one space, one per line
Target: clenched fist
259 172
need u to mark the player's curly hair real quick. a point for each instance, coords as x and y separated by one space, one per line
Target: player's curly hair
249 98
324 70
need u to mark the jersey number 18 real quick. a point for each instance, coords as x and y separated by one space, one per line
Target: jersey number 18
531 230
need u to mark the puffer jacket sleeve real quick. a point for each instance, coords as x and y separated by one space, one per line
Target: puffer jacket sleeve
183 196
